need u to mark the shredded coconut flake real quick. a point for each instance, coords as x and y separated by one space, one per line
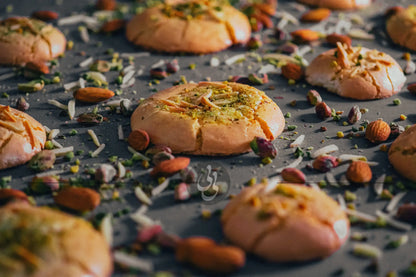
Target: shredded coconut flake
294 164
57 104
133 262
98 151
394 201
142 196
63 151
87 62
94 137
298 141
325 150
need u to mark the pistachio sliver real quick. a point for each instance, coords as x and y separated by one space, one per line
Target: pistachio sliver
31 86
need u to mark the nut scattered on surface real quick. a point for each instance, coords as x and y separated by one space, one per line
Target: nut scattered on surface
170 167
93 94
334 38
316 15
293 175
359 172
205 254
313 97
377 131
305 36
325 163
292 71
322 110
78 199
139 139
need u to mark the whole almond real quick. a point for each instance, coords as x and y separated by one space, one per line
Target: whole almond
169 167
292 71
305 35
106 5
45 15
359 172
316 15
393 10
334 38
78 199
7 195
412 88
205 254
113 25
93 94
139 139
377 131
293 175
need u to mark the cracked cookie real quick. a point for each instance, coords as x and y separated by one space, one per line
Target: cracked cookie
44 242
209 118
356 72
285 222
402 153
24 40
338 4
401 27
191 27
21 137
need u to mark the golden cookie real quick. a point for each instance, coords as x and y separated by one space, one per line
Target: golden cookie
290 222
401 27
402 153
44 242
356 72
24 40
21 137
209 118
192 27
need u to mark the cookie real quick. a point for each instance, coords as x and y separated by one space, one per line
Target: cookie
338 4
209 118
401 27
286 224
21 137
24 40
45 242
191 27
402 153
356 72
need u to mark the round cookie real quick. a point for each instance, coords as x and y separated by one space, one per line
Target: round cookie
287 224
24 40
191 27
45 242
401 27
338 4
209 118
21 137
402 153
356 72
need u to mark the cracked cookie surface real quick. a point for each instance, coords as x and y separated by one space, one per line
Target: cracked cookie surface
285 223
402 153
356 72
21 137
191 27
24 40
43 242
209 118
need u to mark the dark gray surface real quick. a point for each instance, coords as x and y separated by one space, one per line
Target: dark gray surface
184 218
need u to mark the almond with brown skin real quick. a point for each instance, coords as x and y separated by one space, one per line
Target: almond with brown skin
205 254
170 167
106 5
359 172
393 10
113 25
377 131
8 195
78 199
292 71
93 94
316 15
334 38
293 175
139 139
305 36
412 88
45 15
